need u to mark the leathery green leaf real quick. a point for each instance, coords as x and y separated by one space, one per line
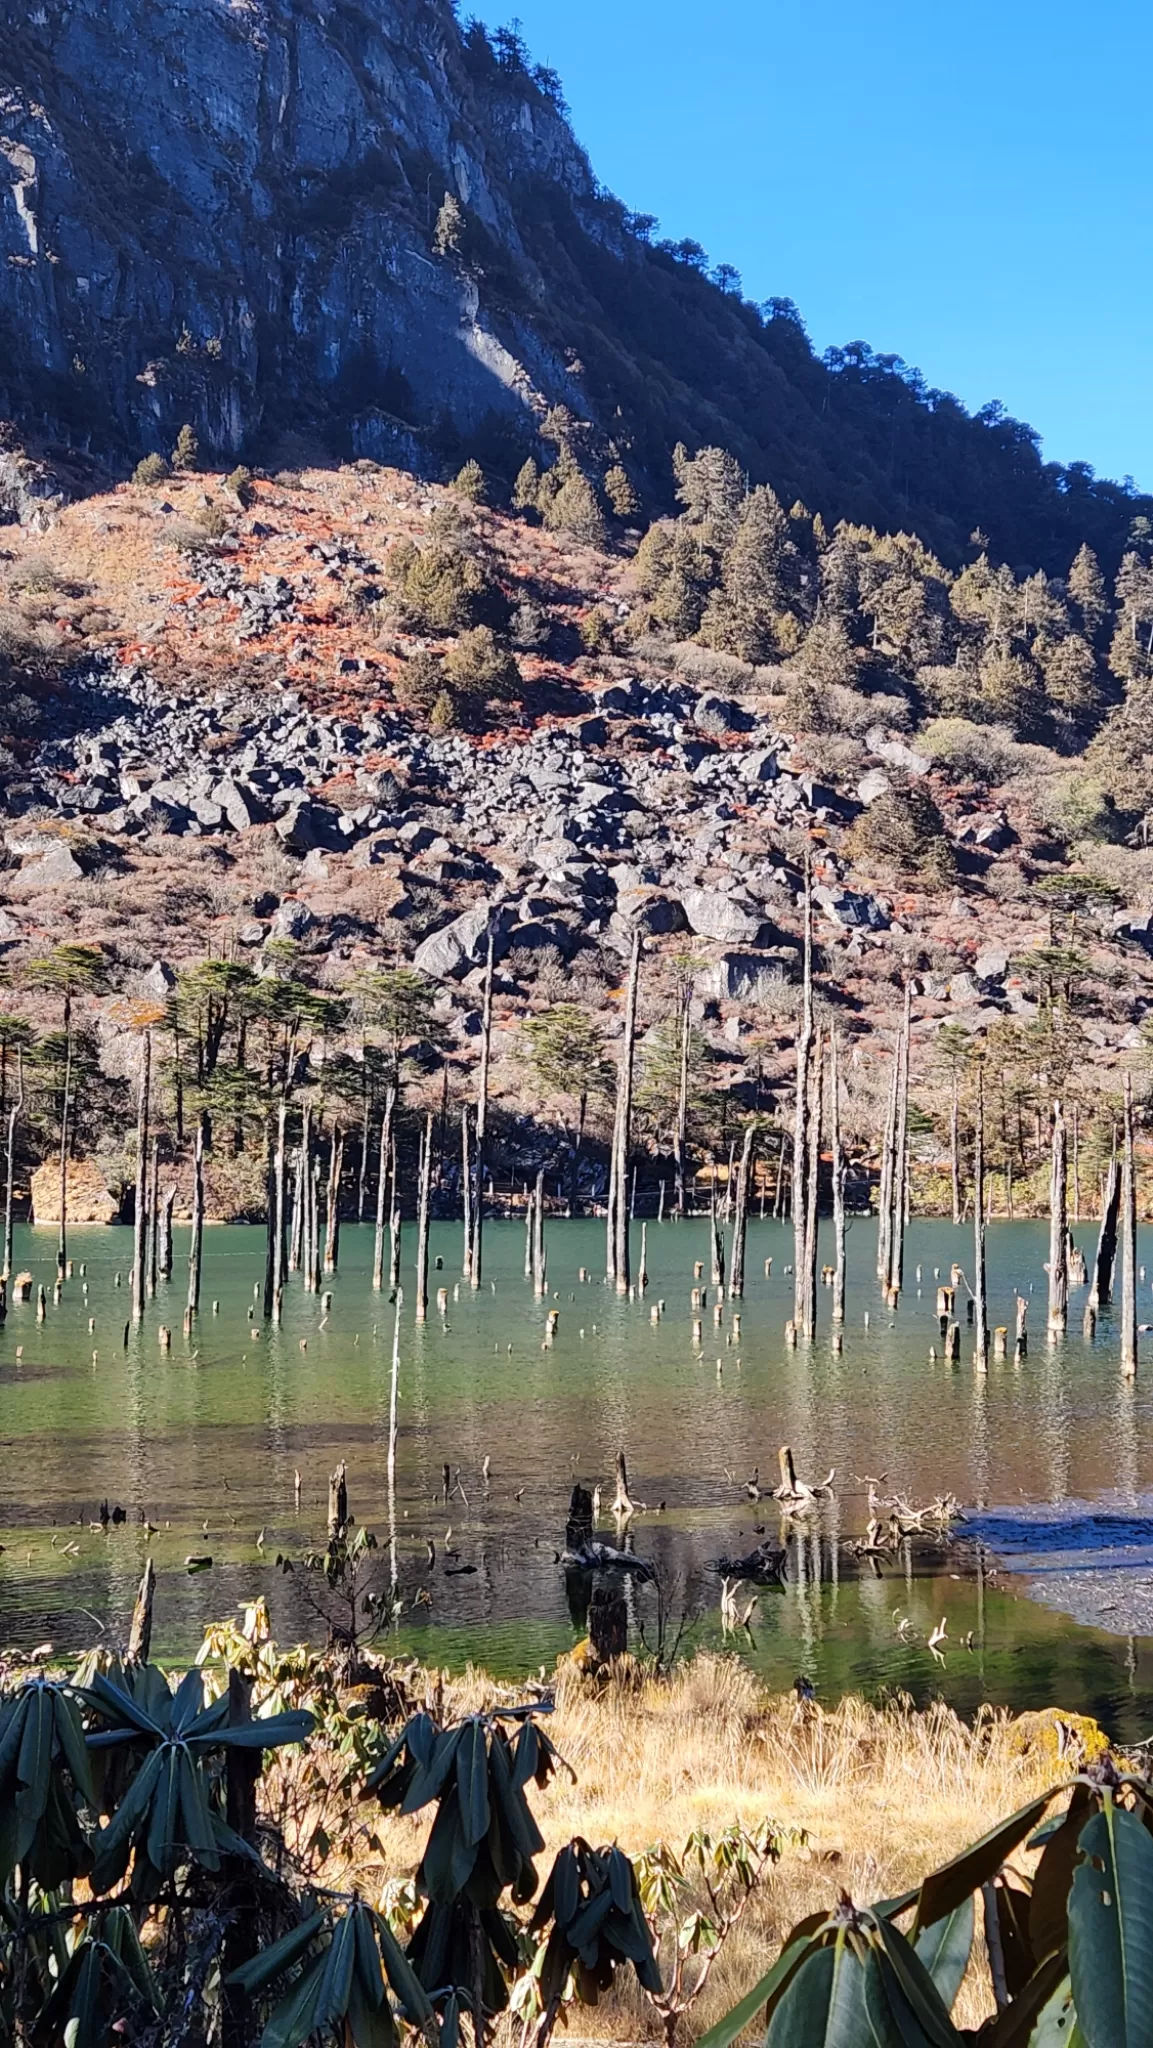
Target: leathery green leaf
765 1992
945 1948
1111 1931
472 1780
945 1889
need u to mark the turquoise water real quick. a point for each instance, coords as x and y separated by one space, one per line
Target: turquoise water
203 1443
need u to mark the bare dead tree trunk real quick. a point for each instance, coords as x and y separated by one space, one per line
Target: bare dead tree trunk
955 1148
395 1222
624 1125
539 1270
801 1110
1105 1256
466 1191
838 1180
196 1242
1076 1163
741 1217
812 1191
140 1631
1058 1229
362 1167
332 1216
900 1157
313 1276
423 1209
14 1115
386 1123
476 1253
885 1185
529 1206
296 1231
680 1135
165 1233
778 1196
276 1220
980 1307
717 1240
1128 1241
62 1241
152 1249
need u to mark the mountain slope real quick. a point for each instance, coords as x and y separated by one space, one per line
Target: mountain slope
228 215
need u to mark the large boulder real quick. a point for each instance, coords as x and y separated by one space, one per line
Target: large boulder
851 910
746 977
450 952
731 918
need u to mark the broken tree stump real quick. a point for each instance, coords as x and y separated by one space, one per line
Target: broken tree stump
608 1624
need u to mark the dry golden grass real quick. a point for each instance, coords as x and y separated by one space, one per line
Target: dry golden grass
874 1798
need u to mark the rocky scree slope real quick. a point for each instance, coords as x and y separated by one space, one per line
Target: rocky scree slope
222 761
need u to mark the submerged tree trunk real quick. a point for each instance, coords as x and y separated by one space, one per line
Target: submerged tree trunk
716 1235
741 1217
196 1242
423 1208
62 1240
680 1135
1058 1229
539 1269
332 1215
980 1309
1128 1242
164 1232
296 1228
838 1180
152 1248
801 1111
887 1174
623 1131
1105 1256
955 1149
386 1123
14 1115
812 1192
277 1193
475 1260
900 1196
466 1192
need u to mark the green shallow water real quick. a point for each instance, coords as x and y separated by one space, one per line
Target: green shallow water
204 1442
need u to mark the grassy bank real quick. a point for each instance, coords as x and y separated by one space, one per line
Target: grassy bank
865 1799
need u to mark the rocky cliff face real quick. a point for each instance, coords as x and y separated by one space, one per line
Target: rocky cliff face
224 213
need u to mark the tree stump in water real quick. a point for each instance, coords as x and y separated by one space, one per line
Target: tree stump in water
579 1527
338 1500
608 1624
140 1633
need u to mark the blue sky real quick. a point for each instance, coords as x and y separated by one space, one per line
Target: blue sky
968 187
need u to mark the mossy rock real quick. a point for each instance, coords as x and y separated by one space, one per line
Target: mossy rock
1069 1739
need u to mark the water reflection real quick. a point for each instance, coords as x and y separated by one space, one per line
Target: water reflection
204 1442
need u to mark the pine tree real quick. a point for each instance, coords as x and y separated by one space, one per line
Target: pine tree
526 488
574 510
620 493
710 486
759 579
187 449
1069 667
469 483
1086 587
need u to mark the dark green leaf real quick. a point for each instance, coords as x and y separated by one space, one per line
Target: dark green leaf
945 1889
472 1780
295 2017
1111 1931
402 1977
272 1962
296 1726
945 1947
766 1992
1049 1907
526 1755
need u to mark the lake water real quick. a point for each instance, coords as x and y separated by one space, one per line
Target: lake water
203 1442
